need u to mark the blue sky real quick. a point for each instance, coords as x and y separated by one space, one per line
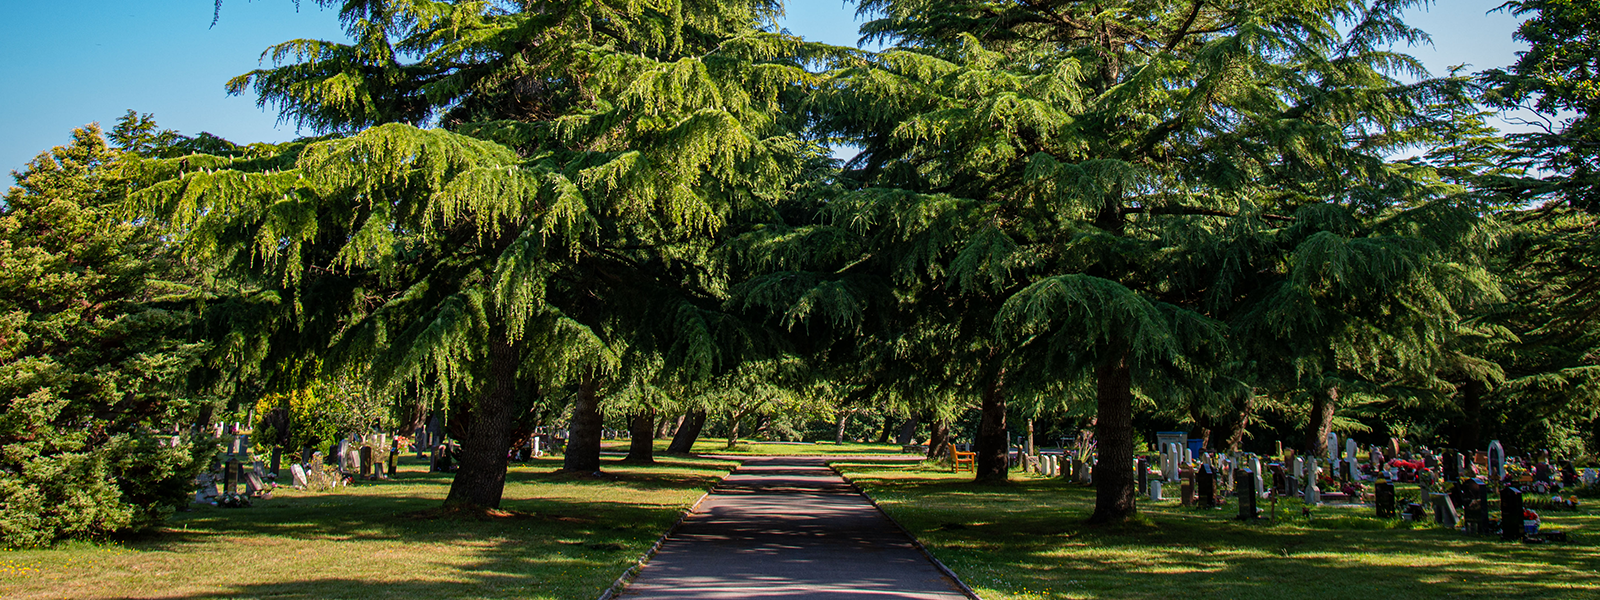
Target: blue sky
70 62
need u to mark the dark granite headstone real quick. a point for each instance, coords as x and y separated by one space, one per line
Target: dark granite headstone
1444 511
1246 482
1452 466
1143 469
1206 481
366 461
1385 499
1511 513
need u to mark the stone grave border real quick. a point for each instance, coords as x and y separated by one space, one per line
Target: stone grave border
962 585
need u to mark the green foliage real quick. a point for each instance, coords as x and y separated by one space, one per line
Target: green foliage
93 355
1558 78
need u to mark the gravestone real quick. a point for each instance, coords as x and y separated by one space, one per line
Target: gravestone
1333 447
253 485
230 475
344 456
1085 470
1313 491
1207 484
364 457
1277 448
1247 502
260 469
1280 481
299 474
419 440
1478 510
1497 460
1511 514
1299 468
394 461
206 488
1350 460
1186 490
1385 499
1155 491
1452 466
1259 478
1444 511
1143 469
1293 488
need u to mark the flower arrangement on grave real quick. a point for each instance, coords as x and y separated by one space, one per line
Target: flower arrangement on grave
232 500
324 478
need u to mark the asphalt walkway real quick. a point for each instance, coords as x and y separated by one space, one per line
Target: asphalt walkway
789 527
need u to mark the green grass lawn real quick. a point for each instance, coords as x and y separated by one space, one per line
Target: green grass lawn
757 448
1027 539
568 537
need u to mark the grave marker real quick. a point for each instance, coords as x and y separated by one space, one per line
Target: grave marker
1385 500
1511 514
299 474
1247 502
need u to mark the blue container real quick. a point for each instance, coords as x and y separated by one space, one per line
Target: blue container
1195 445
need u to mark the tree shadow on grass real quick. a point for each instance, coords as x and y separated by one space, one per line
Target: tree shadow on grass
569 545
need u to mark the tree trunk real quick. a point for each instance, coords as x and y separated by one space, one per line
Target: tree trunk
1469 434
908 432
583 436
1321 422
667 426
481 475
993 443
688 432
642 448
1236 434
733 429
1114 481
888 429
1028 443
939 442
844 420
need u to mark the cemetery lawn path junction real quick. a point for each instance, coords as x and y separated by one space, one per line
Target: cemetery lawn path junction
789 527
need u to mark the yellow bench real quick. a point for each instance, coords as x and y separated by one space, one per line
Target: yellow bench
958 458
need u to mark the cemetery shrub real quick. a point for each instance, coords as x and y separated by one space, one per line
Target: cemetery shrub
90 368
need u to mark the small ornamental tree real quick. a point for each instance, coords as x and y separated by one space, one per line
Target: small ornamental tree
93 358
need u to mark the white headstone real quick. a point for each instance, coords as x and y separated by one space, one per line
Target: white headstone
1497 460
1155 490
1333 446
1255 467
1299 468
299 475
1350 450
536 450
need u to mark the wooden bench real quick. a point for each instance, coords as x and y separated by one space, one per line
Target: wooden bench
958 458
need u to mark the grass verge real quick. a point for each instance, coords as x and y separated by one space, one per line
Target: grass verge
1027 539
565 537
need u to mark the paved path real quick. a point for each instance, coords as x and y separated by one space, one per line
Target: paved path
789 527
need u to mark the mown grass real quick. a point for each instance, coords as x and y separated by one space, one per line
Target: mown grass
1028 539
757 448
567 537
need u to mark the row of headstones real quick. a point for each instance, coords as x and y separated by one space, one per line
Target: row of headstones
231 474
1065 465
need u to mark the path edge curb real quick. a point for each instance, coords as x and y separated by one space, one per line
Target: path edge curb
628 575
965 589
